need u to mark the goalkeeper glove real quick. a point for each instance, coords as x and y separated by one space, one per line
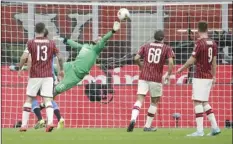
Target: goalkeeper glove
116 26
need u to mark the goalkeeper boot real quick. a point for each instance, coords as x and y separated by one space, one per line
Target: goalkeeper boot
49 128
214 132
151 129
23 129
40 124
196 134
60 124
131 126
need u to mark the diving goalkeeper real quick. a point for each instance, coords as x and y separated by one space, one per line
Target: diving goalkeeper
76 70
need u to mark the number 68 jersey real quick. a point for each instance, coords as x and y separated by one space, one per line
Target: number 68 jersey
42 51
154 58
204 51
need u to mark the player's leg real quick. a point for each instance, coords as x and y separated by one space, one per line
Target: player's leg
143 88
32 89
47 94
37 111
198 97
58 115
210 114
208 110
155 93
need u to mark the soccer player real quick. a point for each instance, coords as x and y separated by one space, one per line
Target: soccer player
76 70
204 56
154 57
41 53
36 107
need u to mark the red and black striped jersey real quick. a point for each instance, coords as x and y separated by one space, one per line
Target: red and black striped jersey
154 58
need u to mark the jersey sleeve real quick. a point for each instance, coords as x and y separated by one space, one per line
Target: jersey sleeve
74 44
170 53
141 51
215 49
101 44
196 50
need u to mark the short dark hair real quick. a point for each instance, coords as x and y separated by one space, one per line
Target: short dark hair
202 26
159 35
40 27
46 32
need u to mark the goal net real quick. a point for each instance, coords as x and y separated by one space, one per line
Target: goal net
84 22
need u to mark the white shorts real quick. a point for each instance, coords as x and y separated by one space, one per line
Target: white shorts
154 88
201 89
45 85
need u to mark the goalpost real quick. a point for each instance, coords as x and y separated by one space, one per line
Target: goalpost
84 22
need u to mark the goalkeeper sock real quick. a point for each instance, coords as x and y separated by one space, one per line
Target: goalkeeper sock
57 114
135 110
199 117
150 115
26 112
37 113
56 110
210 115
49 112
36 109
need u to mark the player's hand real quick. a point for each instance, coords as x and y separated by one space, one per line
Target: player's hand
214 81
116 26
179 71
166 79
58 38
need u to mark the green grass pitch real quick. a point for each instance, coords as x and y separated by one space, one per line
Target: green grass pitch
112 136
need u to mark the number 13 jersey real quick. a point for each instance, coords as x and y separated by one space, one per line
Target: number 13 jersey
204 51
154 57
42 51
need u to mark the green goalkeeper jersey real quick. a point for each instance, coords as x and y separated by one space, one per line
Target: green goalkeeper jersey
88 53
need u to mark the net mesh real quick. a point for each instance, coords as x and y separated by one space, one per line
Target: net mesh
84 22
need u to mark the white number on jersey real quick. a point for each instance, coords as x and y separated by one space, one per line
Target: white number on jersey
154 55
44 50
210 54
210 51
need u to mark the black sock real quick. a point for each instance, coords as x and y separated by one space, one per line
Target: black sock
57 114
37 113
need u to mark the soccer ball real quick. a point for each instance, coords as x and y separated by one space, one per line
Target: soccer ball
123 14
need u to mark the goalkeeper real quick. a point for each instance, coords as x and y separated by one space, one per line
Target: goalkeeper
76 70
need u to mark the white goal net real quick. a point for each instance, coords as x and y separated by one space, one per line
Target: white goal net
84 22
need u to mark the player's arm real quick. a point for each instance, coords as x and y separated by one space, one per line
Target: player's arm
73 44
60 60
192 59
214 66
214 63
188 63
69 42
170 65
23 59
137 61
101 44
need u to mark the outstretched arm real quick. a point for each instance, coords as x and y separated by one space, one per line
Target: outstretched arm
73 44
101 44
69 42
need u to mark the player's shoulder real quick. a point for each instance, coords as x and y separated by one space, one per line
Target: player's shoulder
30 41
145 45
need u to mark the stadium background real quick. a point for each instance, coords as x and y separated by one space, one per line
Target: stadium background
62 20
